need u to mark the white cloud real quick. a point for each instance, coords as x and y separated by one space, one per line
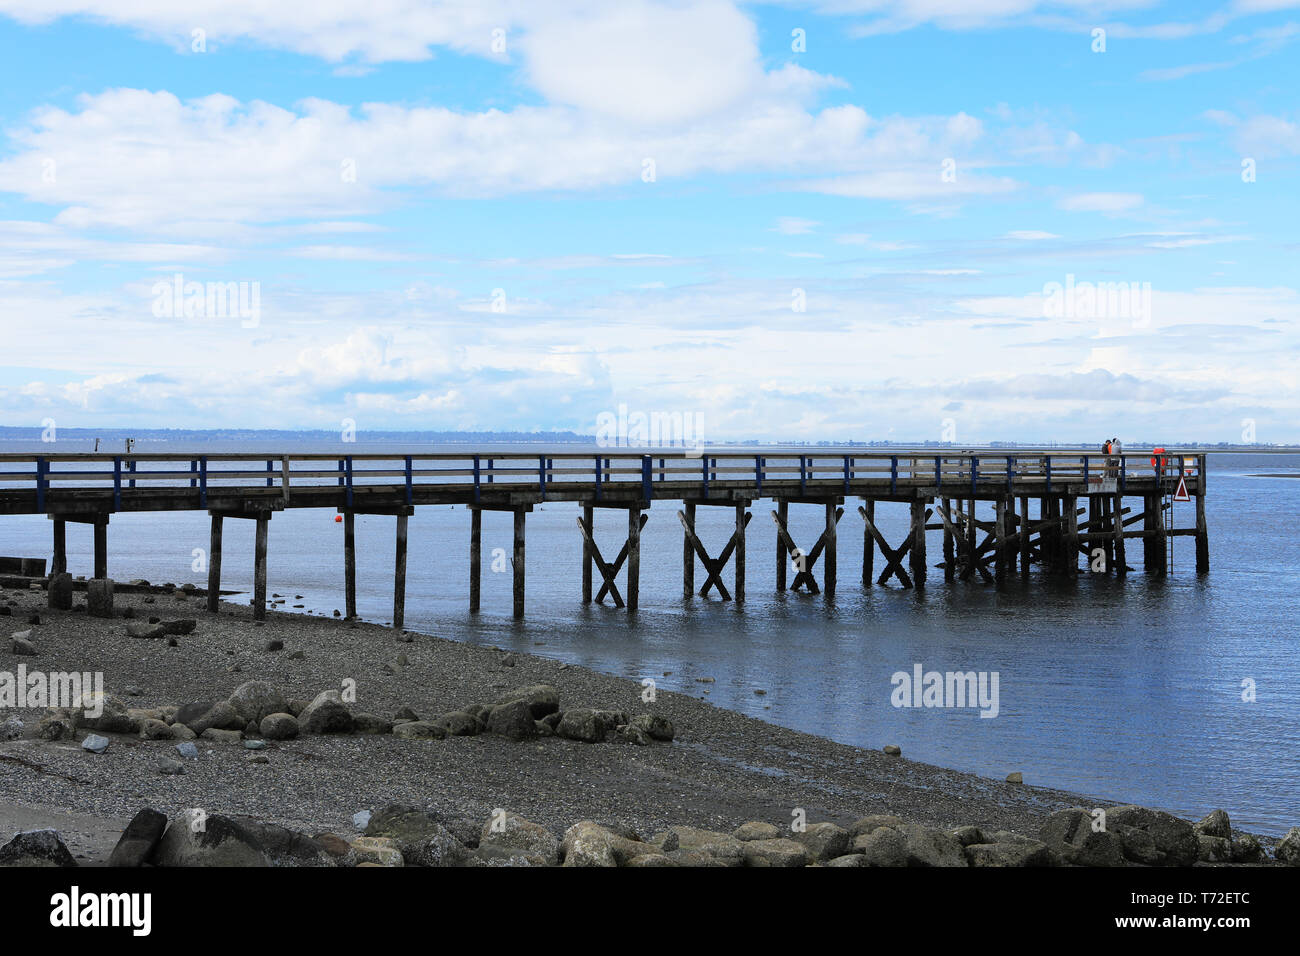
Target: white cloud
1102 202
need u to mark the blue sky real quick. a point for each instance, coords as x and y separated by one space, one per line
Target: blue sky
448 216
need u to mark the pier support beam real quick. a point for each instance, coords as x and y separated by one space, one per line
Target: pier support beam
1117 522
476 560
1024 536
1070 546
829 566
917 559
782 519
60 563
521 515
714 567
804 563
214 564
399 575
630 553
350 564
263 521
893 556
949 549
688 553
588 516
1202 530
999 541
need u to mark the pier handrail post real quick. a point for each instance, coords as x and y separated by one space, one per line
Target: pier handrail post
270 471
203 481
803 474
938 472
476 479
974 477
194 469
130 467
348 474
847 467
541 476
893 474
1011 474
1047 472
1123 473
40 484
117 483
704 459
647 478
597 477
409 490
758 475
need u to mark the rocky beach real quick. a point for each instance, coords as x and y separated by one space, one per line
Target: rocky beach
303 740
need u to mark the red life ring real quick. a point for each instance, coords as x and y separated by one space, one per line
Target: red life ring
1157 457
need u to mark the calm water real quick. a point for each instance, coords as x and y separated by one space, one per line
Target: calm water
1127 691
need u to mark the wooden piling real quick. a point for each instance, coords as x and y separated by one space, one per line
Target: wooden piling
633 558
259 566
1121 559
101 547
1024 536
949 548
1150 506
828 563
688 554
1202 529
520 516
350 563
588 514
1070 546
782 557
476 560
740 553
60 563
399 576
1000 541
917 555
868 544
214 564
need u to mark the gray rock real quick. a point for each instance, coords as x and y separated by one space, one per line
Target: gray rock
151 729
969 835
222 736
372 724
418 730
873 822
457 723
542 699
36 848
1288 848
883 846
588 725
256 699
1214 849
326 714
587 844
655 726
21 646
824 841
59 725
95 743
279 727
1005 849
11 729
423 838
1070 833
170 767
254 744
1246 848
755 830
1174 839
180 627
144 629
187 713
221 716
139 839
513 832
1215 824
782 852
218 841
929 847
852 859
361 820
513 720
188 750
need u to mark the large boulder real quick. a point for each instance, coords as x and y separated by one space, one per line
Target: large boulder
654 726
112 714
587 843
36 848
513 720
1005 849
220 716
756 830
213 840
458 723
588 724
1175 840
326 714
873 822
278 727
139 839
513 832
1288 848
721 848
779 852
926 846
419 730
256 699
1070 833
883 846
99 597
1215 824
824 841
422 837
542 699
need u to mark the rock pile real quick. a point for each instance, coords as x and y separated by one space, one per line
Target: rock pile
400 835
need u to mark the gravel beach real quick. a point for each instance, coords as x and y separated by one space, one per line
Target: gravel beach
721 770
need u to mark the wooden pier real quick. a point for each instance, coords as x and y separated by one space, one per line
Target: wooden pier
1043 507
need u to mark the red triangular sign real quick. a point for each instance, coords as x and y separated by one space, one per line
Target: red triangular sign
1181 494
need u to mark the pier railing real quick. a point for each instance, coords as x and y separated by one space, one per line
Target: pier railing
670 472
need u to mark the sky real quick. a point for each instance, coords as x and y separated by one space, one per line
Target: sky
803 220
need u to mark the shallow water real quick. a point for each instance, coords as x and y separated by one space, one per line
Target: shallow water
1128 690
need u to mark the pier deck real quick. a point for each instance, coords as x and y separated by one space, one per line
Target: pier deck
940 487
